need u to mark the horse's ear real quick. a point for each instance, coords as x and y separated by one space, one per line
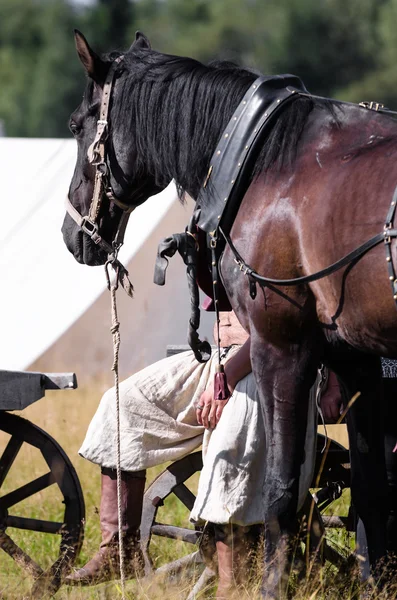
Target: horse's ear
90 60
141 41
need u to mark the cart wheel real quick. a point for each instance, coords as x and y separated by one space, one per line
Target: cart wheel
335 477
59 471
172 481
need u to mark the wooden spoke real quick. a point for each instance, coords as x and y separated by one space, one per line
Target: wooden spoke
31 488
34 524
20 557
191 536
8 457
207 577
181 564
185 495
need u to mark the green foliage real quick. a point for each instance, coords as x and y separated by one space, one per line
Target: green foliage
339 48
239 30
329 43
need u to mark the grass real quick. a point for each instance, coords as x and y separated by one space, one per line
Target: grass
65 416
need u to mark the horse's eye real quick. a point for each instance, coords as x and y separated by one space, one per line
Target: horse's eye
74 128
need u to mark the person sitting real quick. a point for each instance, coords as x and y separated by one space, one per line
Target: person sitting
168 410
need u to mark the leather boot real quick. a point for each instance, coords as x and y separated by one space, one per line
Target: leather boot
234 546
105 564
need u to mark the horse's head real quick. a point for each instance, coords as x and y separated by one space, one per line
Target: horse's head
106 185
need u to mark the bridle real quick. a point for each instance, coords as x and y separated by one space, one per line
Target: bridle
97 157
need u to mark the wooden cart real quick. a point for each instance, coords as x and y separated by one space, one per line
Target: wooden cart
17 391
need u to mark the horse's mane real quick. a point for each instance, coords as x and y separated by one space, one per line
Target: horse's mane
178 108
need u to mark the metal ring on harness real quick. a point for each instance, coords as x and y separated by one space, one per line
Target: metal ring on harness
89 227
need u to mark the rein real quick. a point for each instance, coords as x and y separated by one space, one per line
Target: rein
90 226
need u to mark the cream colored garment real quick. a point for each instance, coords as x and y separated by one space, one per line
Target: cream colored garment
158 424
157 414
232 478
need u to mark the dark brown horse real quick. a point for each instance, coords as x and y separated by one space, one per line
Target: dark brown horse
321 186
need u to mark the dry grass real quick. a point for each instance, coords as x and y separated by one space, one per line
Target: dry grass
65 416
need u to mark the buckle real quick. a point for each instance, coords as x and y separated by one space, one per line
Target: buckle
101 167
89 227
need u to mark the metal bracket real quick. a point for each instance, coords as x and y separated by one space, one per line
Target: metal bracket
372 105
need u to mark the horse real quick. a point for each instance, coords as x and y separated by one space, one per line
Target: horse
320 186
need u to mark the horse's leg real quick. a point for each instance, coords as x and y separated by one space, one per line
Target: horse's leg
284 375
366 437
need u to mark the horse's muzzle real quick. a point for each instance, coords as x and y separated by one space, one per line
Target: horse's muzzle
84 250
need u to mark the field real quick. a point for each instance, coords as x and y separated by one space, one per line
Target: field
65 415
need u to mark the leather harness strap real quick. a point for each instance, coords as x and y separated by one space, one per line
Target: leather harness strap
97 157
229 176
235 155
342 262
226 182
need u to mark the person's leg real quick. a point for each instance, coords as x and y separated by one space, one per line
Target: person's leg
225 570
157 425
105 564
235 548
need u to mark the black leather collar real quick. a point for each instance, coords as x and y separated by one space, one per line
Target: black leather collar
238 148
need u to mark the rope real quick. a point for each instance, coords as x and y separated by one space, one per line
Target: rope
115 330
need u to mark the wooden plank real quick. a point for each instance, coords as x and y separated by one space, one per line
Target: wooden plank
177 348
59 381
19 389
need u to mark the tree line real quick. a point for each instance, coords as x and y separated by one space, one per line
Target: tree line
346 50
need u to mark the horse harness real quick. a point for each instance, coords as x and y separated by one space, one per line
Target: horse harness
227 180
97 157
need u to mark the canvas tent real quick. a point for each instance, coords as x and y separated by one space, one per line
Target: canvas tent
55 313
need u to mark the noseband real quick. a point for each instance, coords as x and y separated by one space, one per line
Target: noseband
97 157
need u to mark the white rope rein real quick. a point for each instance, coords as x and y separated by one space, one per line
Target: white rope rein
115 329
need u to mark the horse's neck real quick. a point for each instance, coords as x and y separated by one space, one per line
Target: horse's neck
195 144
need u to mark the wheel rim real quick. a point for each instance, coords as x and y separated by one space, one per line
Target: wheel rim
59 472
171 481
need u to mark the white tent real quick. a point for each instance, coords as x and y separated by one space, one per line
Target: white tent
46 292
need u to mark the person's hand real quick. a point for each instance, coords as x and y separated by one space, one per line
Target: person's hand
331 400
209 410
